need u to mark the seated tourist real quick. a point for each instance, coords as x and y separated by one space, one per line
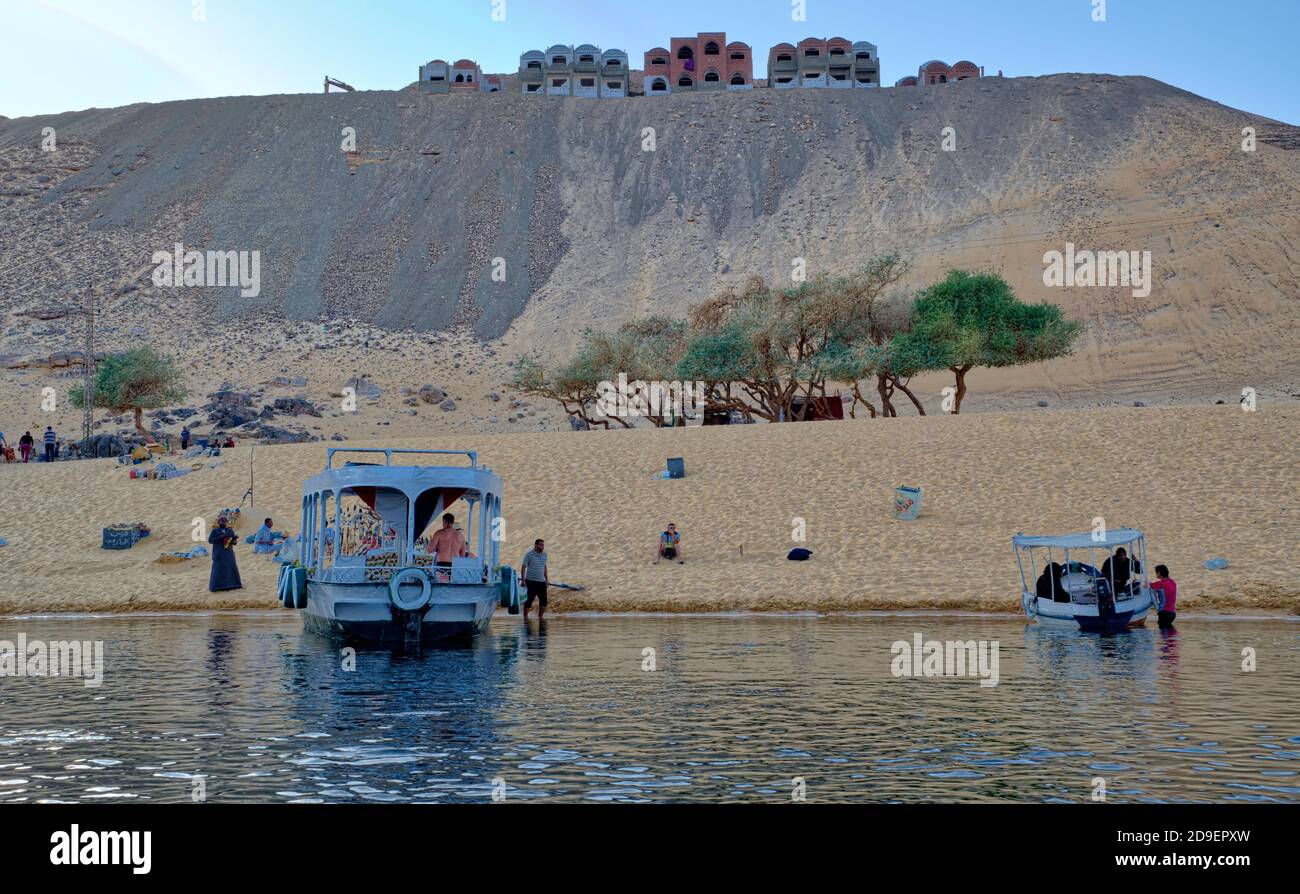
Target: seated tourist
264 541
1119 569
670 546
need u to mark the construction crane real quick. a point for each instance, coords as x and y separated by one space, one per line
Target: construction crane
335 82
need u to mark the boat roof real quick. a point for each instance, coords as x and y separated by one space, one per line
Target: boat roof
412 480
1112 537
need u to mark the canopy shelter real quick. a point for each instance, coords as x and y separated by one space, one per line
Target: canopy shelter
1078 567
362 521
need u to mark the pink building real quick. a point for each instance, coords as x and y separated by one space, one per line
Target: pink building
936 72
703 62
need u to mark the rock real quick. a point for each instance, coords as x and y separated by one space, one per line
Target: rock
494 397
1138 403
363 387
48 312
447 405
1043 403
492 420
295 406
431 395
337 437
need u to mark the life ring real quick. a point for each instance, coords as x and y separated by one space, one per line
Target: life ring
395 590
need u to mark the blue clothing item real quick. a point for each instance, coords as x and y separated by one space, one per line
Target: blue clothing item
50 437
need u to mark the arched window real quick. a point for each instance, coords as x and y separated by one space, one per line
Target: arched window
710 49
659 60
460 79
685 53
812 51
685 81
711 76
783 57
658 85
738 78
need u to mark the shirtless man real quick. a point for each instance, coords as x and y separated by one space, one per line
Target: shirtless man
448 543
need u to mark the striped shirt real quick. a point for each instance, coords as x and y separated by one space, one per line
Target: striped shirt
49 436
534 565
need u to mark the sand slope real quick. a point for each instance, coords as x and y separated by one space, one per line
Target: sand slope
1201 482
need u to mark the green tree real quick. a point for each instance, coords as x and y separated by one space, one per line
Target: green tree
974 319
139 380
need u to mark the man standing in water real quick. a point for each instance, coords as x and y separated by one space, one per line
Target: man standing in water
533 571
1169 605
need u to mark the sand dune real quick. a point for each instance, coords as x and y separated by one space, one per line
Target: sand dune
1202 482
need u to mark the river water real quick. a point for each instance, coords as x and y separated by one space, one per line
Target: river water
247 707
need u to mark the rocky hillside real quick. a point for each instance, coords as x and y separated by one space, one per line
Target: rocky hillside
591 227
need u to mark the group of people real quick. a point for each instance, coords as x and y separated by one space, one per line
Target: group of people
53 444
1120 572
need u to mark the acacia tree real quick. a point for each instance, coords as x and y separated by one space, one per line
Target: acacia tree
139 380
969 320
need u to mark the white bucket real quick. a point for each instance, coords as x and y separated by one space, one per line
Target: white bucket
907 503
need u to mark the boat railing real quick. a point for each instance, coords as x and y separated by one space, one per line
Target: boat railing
389 451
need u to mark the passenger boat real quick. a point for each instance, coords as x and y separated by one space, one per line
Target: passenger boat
1095 595
365 572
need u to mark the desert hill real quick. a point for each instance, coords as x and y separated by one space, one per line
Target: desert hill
402 233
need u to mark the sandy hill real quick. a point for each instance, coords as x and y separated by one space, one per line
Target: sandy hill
401 234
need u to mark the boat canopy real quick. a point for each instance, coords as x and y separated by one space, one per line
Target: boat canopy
1113 537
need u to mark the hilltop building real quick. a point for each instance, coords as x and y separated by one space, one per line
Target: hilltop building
574 71
464 76
936 72
703 62
835 63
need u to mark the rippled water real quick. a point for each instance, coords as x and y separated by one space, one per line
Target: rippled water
737 708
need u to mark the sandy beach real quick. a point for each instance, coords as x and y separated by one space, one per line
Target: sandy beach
1202 482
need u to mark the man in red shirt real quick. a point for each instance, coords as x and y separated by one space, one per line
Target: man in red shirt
1169 605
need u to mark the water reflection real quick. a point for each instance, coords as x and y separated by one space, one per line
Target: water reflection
735 709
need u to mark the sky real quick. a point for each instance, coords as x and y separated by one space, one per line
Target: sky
62 55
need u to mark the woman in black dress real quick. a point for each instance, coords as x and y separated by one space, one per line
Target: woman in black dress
225 573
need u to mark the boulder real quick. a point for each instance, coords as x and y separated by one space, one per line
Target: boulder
432 395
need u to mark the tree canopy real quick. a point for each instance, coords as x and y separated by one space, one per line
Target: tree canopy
141 379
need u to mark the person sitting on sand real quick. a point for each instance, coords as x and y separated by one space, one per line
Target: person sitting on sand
447 543
1169 605
225 572
670 546
264 540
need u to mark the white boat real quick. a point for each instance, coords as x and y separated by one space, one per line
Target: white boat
1091 594
365 573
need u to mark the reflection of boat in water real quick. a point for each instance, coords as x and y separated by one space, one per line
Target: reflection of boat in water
1101 598
366 570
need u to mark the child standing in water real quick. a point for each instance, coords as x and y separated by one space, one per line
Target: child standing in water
1165 584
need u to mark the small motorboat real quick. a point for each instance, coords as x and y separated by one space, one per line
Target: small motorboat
1107 593
366 570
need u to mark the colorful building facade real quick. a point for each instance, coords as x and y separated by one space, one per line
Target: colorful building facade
464 76
703 62
935 72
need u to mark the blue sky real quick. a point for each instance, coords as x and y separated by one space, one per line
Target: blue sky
61 55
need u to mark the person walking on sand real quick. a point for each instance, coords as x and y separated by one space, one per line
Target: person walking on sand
185 437
533 571
51 445
225 573
25 445
1169 604
670 546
